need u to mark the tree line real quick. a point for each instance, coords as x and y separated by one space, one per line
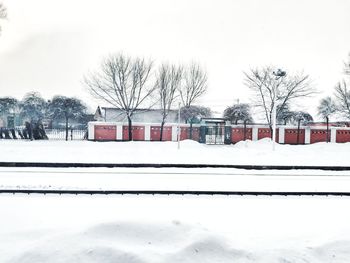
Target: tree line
269 91
34 109
131 84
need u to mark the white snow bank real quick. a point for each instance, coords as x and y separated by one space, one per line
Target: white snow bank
132 243
188 229
249 152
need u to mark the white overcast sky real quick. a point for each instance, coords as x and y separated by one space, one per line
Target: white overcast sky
48 45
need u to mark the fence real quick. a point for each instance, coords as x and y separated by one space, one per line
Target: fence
60 134
52 134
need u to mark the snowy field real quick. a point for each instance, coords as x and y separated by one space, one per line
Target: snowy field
140 229
174 179
166 229
250 152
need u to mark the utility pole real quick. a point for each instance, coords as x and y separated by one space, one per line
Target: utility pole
279 74
178 129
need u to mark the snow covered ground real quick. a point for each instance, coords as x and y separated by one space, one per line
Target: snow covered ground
166 229
135 229
176 179
249 152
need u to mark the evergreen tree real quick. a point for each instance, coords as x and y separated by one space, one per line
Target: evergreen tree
67 108
238 113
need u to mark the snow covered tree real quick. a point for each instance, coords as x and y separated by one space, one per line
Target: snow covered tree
267 89
122 81
195 84
33 107
7 105
67 108
326 108
238 112
193 114
301 117
285 114
168 82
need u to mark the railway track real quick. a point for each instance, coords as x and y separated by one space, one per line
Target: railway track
168 192
124 179
174 165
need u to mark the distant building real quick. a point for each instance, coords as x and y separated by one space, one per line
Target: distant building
10 120
332 124
140 115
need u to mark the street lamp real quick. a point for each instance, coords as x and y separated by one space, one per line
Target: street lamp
279 74
178 127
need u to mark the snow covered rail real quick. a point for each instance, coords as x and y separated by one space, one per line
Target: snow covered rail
167 192
173 165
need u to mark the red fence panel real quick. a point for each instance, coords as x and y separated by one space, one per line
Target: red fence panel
317 135
105 132
265 133
155 133
291 136
195 134
138 133
237 134
343 136
185 133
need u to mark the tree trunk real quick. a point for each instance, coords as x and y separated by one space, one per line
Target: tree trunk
245 130
31 130
298 131
327 120
66 128
191 130
271 132
130 128
161 131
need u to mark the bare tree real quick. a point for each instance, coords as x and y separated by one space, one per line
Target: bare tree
268 89
122 82
342 95
347 66
195 85
168 82
3 12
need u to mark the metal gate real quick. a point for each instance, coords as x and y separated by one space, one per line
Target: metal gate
214 134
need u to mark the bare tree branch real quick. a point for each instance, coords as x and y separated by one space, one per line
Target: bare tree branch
168 82
195 84
122 82
267 89
342 95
